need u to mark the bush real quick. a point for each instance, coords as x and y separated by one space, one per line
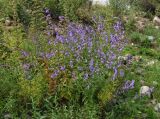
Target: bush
30 14
82 53
8 8
149 7
55 7
119 7
23 16
66 8
140 39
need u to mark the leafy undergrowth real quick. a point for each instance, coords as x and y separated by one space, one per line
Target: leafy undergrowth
145 70
70 70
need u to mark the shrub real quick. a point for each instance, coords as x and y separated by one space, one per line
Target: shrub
23 17
8 8
119 6
130 25
30 14
77 52
66 8
54 6
158 11
72 58
149 7
140 39
70 8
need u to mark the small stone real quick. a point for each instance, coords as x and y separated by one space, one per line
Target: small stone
157 107
100 2
136 96
154 101
122 58
145 91
8 23
156 20
157 27
151 38
155 83
7 116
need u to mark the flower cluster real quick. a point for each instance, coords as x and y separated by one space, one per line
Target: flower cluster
129 85
89 50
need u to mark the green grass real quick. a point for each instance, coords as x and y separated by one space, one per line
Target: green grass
23 98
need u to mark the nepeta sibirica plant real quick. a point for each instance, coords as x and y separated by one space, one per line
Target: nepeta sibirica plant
84 50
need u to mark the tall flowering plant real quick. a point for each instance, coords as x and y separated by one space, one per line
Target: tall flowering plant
70 52
83 50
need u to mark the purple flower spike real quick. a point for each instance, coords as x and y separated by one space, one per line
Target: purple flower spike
117 26
115 73
70 33
86 76
61 18
47 11
89 45
55 74
129 85
121 73
106 39
24 53
49 42
66 53
62 68
26 66
91 66
50 55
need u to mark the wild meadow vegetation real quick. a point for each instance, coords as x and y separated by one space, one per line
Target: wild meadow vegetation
69 59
